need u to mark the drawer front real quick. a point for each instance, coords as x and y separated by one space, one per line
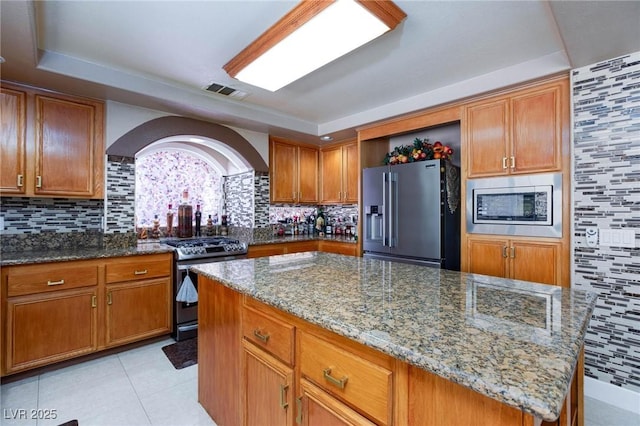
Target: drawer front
357 381
274 336
137 268
41 279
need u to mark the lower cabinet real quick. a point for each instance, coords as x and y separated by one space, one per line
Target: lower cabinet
50 327
522 259
57 311
268 388
137 310
318 408
327 246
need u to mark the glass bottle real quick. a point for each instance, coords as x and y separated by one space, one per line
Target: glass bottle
185 217
198 215
170 221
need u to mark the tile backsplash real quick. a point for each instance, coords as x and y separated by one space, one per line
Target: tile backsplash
606 133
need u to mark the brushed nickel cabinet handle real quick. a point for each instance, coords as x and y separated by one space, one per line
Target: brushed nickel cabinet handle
341 383
38 181
263 337
513 252
504 251
504 162
143 272
299 408
94 301
20 181
109 298
283 396
55 282
513 162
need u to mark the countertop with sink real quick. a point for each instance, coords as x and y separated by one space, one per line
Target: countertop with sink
514 341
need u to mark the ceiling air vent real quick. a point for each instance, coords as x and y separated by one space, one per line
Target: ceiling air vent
226 91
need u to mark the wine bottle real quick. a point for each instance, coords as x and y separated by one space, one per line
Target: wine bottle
185 217
198 215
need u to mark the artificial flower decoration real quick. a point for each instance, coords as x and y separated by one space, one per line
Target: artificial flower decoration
421 150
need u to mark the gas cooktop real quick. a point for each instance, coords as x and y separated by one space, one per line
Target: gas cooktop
205 247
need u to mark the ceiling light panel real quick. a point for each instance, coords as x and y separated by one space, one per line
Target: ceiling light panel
293 48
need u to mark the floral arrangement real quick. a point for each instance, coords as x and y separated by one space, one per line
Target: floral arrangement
421 150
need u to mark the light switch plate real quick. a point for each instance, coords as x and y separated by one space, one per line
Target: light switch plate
618 238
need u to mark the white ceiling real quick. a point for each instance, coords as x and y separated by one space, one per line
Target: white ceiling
161 54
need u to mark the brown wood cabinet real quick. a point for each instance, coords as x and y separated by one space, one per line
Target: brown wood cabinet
318 408
329 379
268 388
56 311
55 141
339 173
520 132
12 141
328 246
523 259
293 172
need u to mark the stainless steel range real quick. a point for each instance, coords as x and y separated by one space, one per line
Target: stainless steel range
190 252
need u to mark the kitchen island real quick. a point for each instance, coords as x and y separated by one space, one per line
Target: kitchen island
434 346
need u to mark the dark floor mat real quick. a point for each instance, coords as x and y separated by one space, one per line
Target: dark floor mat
182 354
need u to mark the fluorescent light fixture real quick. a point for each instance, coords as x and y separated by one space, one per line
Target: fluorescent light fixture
311 35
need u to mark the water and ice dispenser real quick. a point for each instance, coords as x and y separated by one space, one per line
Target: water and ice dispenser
373 223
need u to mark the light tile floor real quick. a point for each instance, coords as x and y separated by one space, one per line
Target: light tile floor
141 387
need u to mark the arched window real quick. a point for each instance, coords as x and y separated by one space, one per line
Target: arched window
163 174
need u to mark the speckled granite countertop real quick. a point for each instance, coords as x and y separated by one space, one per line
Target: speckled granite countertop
60 255
513 341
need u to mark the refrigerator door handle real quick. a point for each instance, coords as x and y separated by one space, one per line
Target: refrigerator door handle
393 208
385 205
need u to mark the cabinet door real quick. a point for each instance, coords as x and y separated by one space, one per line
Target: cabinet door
487 256
283 168
268 388
536 137
308 183
535 261
331 169
46 328
265 250
65 137
321 409
487 136
12 141
350 173
137 310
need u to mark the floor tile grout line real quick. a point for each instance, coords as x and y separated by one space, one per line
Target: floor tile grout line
134 390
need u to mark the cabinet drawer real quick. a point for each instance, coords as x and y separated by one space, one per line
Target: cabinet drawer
359 382
44 278
138 268
273 335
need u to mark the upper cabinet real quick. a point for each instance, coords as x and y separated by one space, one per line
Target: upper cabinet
12 140
293 172
520 132
339 171
54 142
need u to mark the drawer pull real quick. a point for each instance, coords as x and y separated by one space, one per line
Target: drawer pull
263 337
94 301
143 272
299 408
283 396
55 282
341 383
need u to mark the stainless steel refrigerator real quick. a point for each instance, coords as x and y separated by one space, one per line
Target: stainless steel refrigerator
412 213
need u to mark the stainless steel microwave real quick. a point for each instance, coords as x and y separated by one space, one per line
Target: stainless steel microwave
528 205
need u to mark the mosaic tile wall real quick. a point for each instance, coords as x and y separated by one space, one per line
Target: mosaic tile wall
261 201
120 195
239 194
38 215
606 102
